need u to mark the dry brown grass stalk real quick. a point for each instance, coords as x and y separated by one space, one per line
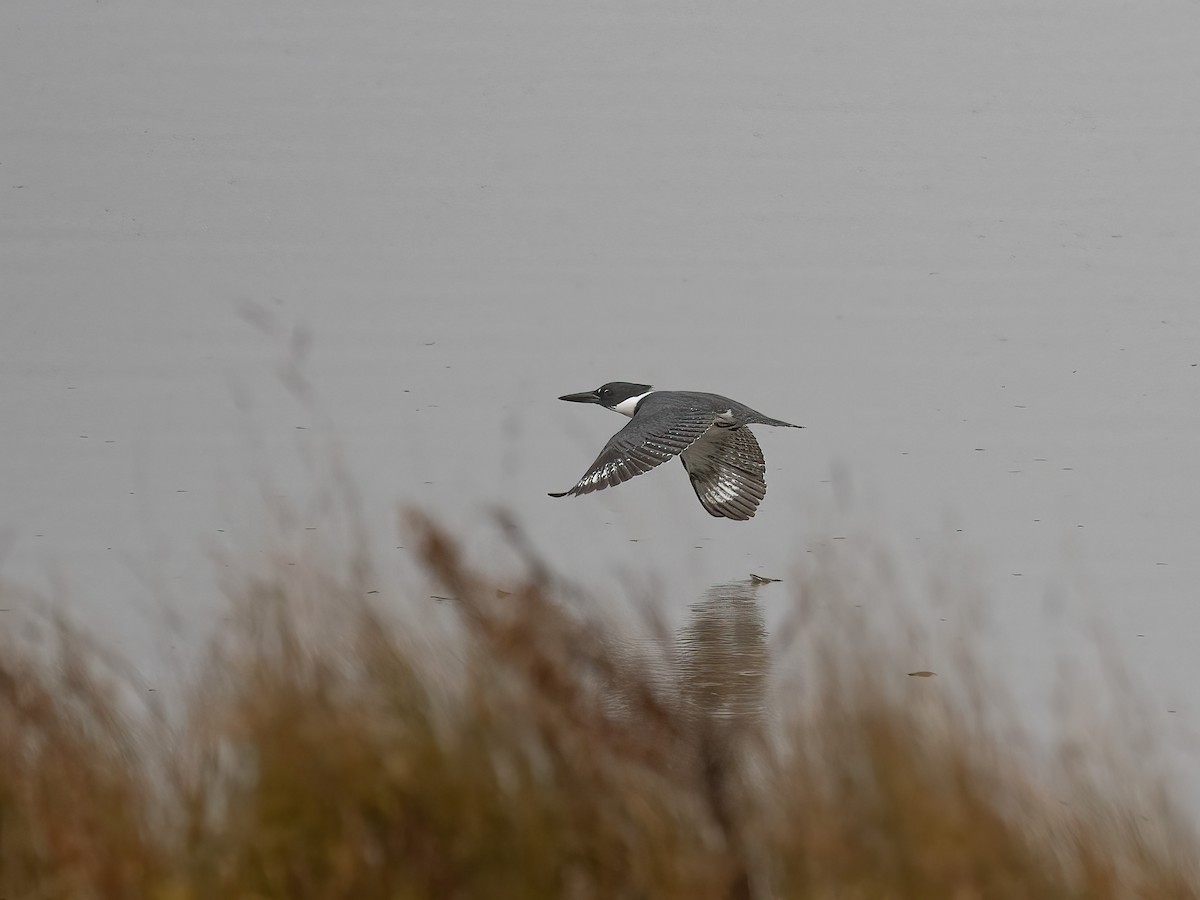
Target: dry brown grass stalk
327 752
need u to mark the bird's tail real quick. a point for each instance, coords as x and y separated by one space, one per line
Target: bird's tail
778 423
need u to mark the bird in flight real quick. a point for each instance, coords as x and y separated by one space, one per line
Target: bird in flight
707 432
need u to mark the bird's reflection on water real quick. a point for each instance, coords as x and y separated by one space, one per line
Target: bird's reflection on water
721 659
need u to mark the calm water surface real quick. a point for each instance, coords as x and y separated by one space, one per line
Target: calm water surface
957 245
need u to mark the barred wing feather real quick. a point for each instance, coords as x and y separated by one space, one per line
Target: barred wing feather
727 472
649 439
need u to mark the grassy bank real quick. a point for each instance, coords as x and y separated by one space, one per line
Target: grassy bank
332 749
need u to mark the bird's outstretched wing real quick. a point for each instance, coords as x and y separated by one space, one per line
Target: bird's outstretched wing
728 473
649 439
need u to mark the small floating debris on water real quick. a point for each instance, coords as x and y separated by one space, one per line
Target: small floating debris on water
762 579
922 674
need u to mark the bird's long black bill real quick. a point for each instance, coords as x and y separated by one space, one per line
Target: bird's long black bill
583 397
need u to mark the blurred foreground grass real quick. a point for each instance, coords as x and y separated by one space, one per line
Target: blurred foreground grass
332 749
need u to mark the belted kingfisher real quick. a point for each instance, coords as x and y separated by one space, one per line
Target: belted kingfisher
708 433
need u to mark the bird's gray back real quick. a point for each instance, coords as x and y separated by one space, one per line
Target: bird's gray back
660 401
